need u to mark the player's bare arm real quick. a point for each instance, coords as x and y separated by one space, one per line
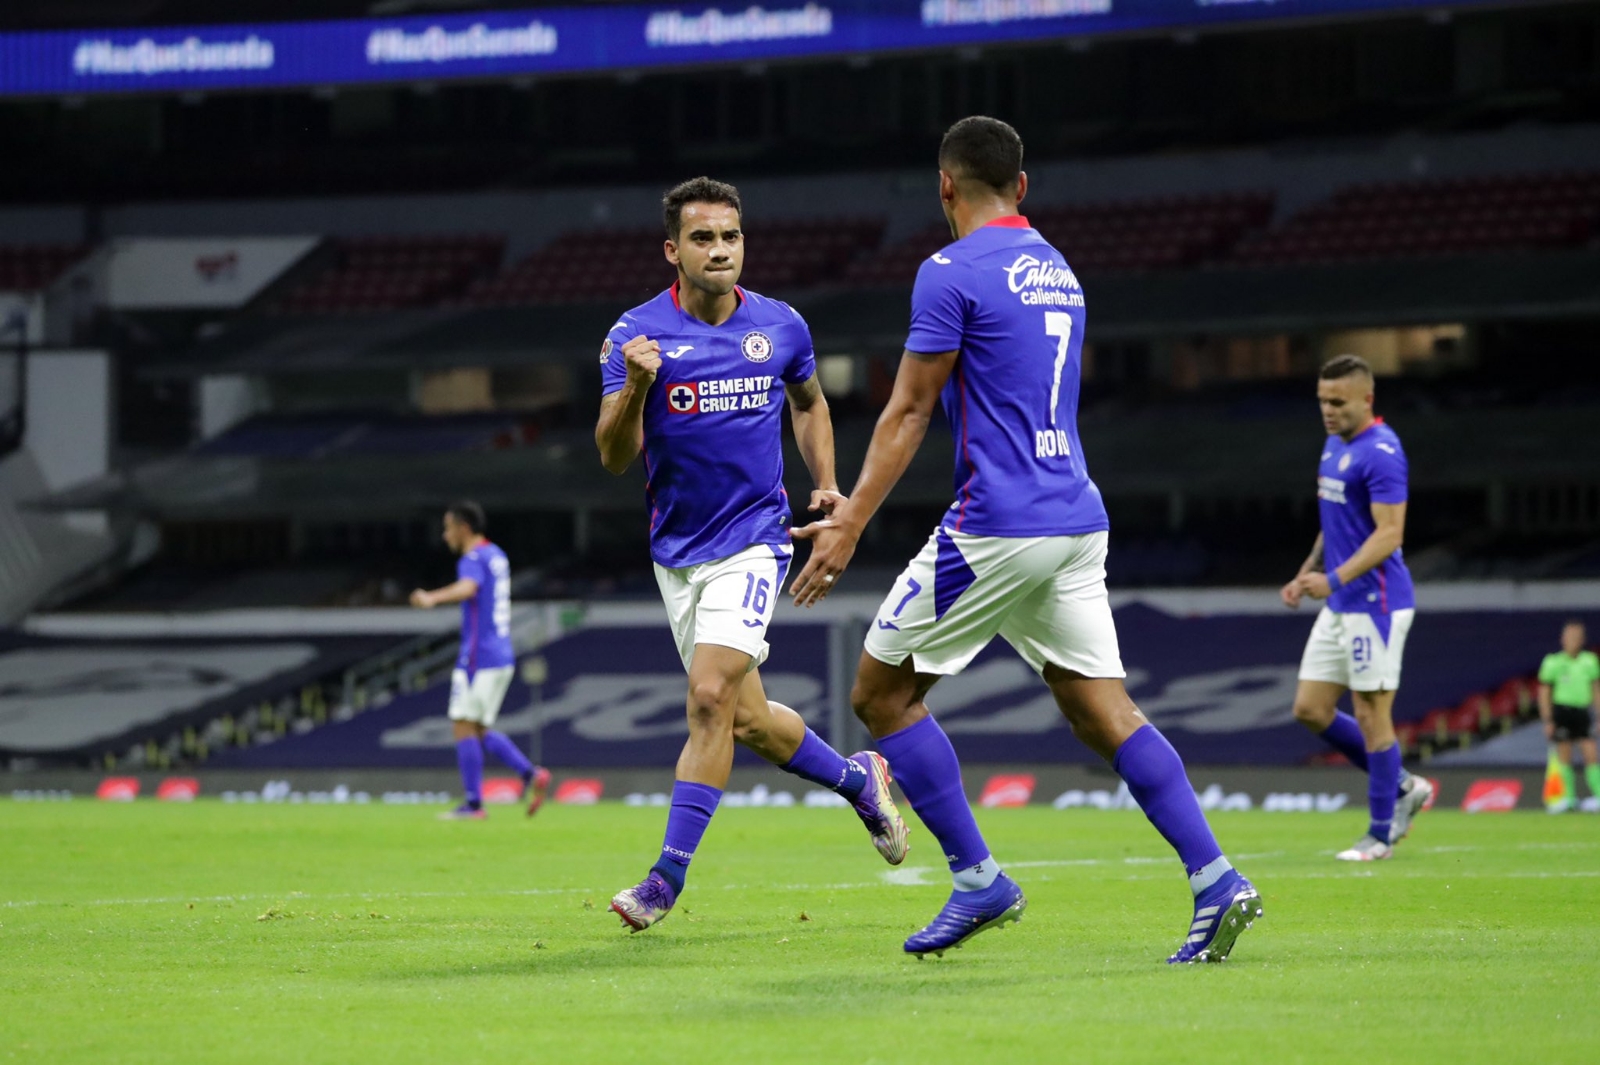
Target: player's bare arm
1389 532
813 433
455 592
899 433
620 432
1290 593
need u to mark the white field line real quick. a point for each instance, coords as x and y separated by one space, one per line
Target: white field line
909 876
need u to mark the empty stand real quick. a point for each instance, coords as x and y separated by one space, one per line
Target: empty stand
335 435
1399 220
30 267
1123 237
619 264
393 273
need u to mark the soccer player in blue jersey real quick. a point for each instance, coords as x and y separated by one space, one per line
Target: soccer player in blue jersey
1359 637
696 380
486 661
997 323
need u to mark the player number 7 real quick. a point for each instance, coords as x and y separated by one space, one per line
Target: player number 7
1059 325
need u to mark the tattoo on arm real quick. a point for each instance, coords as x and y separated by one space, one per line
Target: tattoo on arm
804 394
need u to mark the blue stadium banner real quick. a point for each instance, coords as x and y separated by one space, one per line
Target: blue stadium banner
587 39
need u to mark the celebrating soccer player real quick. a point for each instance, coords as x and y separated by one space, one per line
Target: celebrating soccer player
1569 690
695 379
486 662
997 331
1359 636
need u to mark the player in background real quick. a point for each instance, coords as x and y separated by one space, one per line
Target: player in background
486 662
1569 691
996 332
1359 637
696 380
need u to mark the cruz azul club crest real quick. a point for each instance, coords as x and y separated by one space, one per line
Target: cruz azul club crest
684 398
757 347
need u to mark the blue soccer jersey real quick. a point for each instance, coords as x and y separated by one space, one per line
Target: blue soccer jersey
486 616
1352 476
1008 302
713 423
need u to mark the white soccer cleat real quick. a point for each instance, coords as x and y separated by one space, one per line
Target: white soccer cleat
1408 806
1366 849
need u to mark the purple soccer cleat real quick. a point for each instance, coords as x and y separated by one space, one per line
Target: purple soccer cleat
645 903
875 806
967 913
1221 914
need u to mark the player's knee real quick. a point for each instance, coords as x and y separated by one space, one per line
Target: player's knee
711 701
871 705
1313 715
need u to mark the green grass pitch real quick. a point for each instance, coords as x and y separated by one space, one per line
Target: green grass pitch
211 932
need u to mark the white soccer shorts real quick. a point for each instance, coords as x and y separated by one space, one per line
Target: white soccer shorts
478 698
1045 595
727 602
1350 650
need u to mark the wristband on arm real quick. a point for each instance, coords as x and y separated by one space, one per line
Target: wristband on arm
1334 583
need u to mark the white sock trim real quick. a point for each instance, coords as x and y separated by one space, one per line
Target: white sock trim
976 877
1209 874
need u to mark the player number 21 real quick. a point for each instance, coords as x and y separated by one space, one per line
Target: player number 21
1059 325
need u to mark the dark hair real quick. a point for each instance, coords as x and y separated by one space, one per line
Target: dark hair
982 149
696 190
1343 366
469 514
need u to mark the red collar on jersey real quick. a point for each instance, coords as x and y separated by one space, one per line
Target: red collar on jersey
1010 221
1375 423
679 304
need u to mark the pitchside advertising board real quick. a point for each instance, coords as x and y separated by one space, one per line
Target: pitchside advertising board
1220 687
593 38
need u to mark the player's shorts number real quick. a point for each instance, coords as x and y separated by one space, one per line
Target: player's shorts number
1361 649
756 590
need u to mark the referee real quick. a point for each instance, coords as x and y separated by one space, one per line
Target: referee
1569 689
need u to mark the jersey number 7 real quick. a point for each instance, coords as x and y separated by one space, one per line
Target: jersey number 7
1059 325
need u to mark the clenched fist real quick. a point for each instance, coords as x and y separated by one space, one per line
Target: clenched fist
643 357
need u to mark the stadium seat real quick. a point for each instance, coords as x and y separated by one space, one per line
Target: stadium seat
31 267
393 273
1129 236
624 264
1400 220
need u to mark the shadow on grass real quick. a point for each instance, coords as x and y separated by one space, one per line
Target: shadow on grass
590 955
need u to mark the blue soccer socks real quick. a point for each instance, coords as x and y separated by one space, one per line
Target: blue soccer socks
692 807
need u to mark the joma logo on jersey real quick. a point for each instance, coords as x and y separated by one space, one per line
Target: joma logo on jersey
1029 272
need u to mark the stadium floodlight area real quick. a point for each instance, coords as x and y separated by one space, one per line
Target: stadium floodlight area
595 38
